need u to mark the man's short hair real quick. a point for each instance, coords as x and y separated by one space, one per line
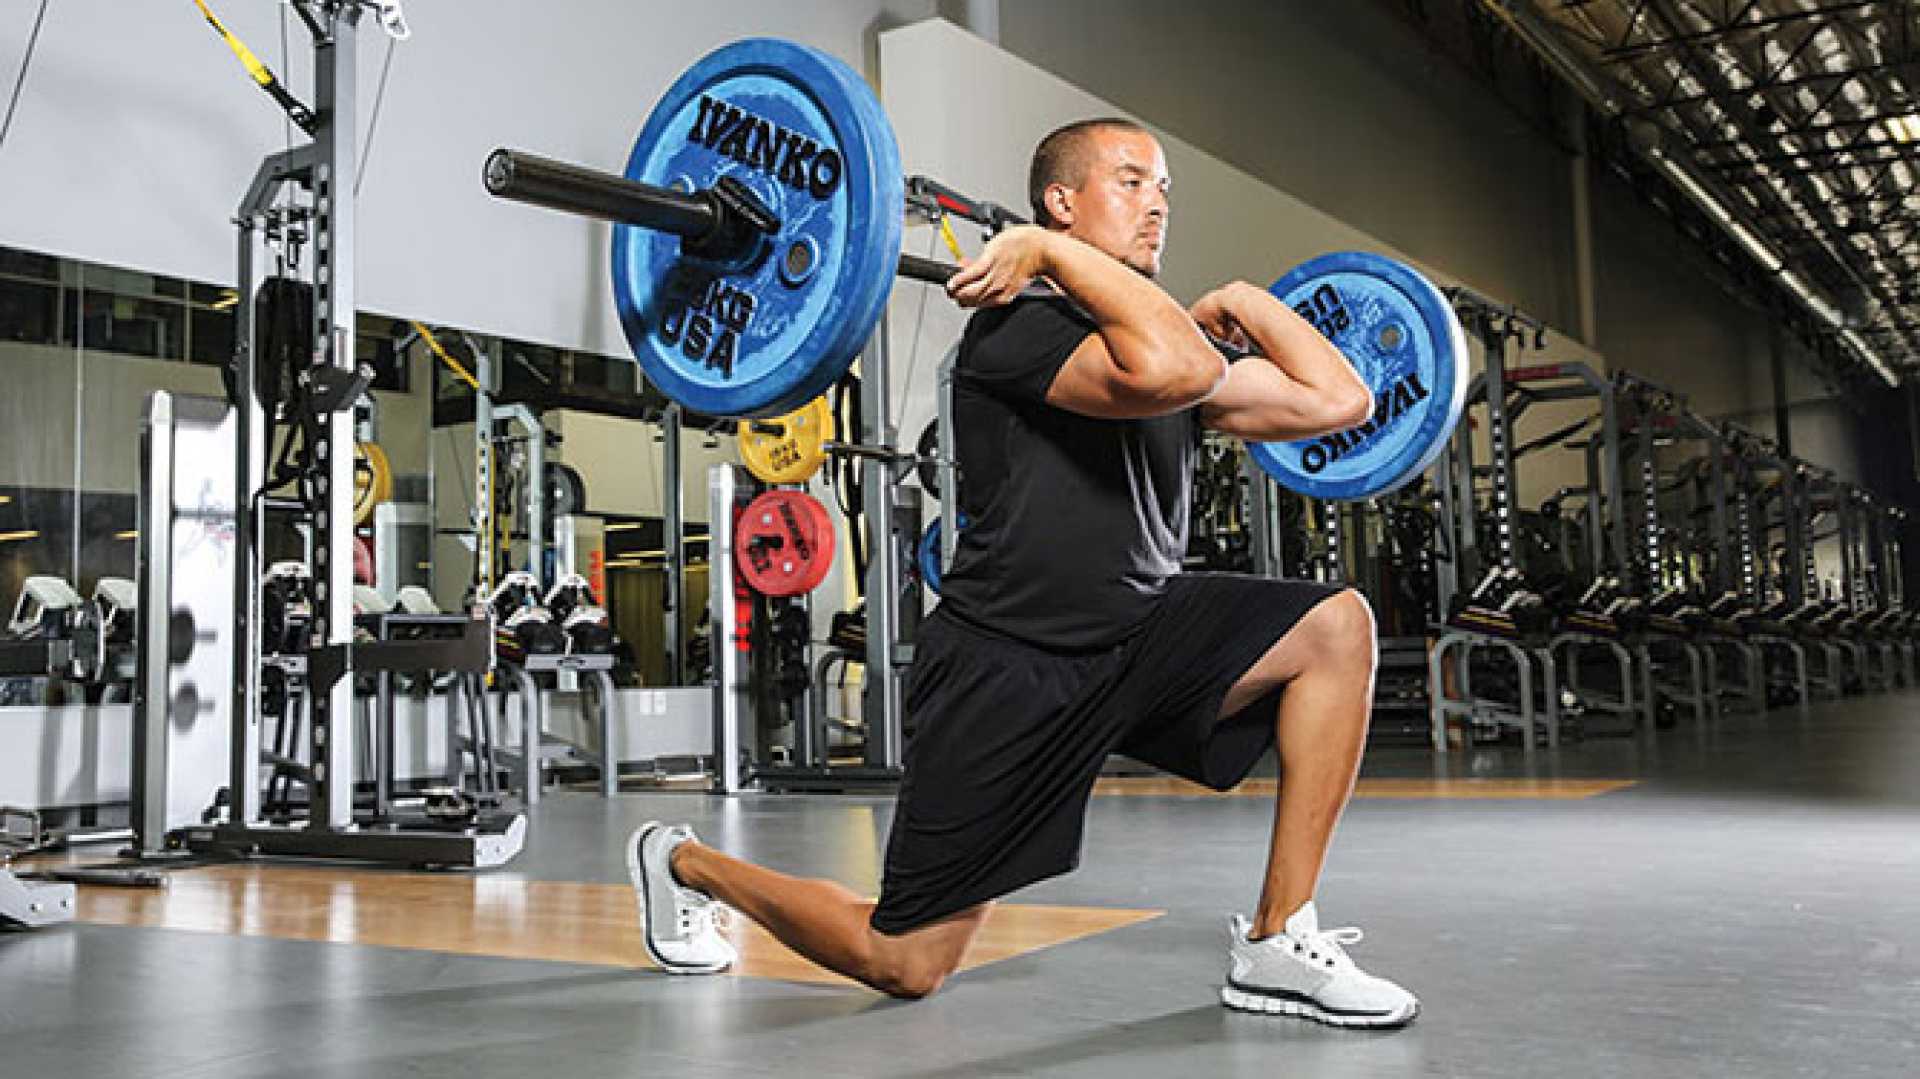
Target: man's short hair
1062 158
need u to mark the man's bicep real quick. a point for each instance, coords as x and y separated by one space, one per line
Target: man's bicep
1091 384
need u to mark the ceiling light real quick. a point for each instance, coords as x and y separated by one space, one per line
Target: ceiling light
1816 302
1755 246
1904 128
1867 356
30 533
1706 200
228 299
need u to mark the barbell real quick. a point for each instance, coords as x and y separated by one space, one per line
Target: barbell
757 234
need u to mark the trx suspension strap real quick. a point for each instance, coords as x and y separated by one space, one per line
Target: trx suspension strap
301 115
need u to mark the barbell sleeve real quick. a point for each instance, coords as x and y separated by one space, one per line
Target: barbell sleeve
575 189
557 185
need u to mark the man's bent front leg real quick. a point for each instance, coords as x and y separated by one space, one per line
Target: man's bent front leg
828 924
1326 664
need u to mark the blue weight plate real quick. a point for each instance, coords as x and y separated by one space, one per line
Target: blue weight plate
805 133
929 558
1400 332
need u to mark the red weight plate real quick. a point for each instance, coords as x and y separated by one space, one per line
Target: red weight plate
784 543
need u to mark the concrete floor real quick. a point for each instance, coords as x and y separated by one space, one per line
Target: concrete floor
1750 908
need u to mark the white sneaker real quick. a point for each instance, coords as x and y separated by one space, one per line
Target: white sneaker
676 921
1304 971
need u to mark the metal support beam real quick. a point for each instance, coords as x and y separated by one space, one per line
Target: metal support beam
674 512
1782 421
731 702
331 724
878 479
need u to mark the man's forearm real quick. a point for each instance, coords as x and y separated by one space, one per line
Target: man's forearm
1148 333
1293 345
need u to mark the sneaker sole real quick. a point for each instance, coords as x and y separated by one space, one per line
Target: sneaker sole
637 873
1260 1004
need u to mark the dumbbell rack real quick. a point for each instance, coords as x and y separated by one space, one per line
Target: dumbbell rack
1455 697
34 904
536 746
24 902
44 657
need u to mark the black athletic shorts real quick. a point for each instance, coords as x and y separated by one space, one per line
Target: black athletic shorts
1010 738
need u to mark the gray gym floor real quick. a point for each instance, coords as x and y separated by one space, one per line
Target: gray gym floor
1750 908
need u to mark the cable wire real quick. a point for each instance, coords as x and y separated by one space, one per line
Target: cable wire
285 196
20 81
373 122
920 312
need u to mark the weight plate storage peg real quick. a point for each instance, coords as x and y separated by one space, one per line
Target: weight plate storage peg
928 452
1400 332
566 491
929 555
785 542
789 448
795 140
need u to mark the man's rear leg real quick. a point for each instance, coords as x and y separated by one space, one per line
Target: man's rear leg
829 924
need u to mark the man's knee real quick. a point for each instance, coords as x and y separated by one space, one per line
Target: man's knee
913 974
1343 628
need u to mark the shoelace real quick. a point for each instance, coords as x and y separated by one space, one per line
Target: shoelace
699 913
1326 945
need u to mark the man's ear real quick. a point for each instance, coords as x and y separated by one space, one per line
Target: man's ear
1059 202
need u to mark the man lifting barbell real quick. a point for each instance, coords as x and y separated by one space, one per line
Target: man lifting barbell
1066 630
755 242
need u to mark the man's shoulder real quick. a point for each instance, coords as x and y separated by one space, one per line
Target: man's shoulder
1035 301
1036 313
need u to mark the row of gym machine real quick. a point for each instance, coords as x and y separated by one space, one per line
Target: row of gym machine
1679 566
1690 568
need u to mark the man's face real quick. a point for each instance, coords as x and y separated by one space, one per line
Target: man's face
1121 207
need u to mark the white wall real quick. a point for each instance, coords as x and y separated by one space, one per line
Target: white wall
137 133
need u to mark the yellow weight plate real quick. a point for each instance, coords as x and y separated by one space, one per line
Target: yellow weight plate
789 448
372 480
